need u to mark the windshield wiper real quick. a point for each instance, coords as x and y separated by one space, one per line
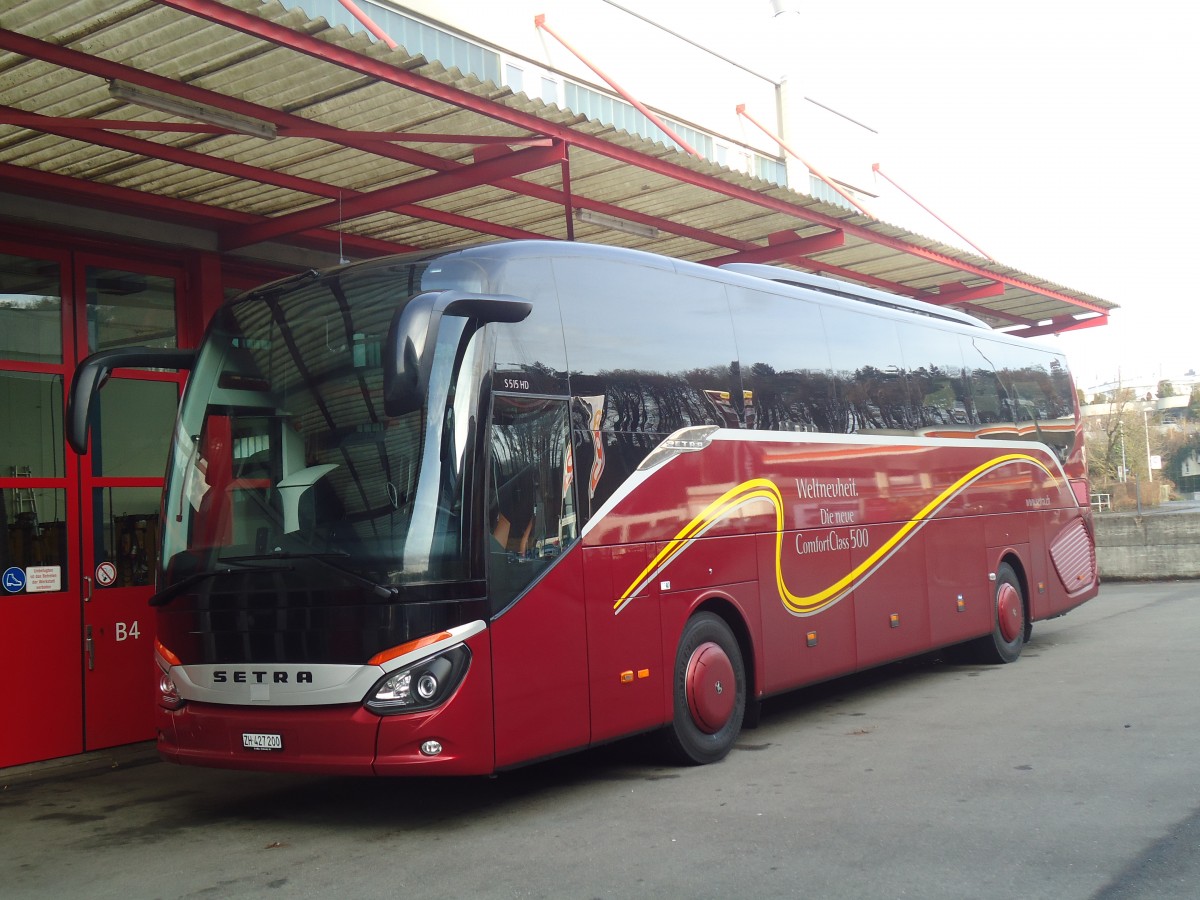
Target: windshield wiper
172 591
383 591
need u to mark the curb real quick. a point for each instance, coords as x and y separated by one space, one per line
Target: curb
67 768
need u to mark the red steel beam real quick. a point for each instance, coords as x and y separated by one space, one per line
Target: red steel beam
78 129
287 124
951 294
430 186
985 312
785 251
12 116
1060 325
97 195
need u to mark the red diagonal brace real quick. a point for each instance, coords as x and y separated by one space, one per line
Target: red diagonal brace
409 192
1060 325
539 21
875 168
856 204
951 294
784 250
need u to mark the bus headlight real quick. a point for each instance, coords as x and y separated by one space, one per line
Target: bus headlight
422 685
168 693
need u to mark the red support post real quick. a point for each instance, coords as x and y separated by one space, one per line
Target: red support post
368 22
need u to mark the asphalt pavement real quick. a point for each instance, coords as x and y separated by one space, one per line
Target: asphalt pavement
1074 773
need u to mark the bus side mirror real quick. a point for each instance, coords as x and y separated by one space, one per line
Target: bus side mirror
412 336
93 372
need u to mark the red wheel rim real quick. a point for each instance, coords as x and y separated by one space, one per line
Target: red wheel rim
1008 608
710 687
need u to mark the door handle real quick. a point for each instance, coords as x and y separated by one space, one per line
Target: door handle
91 650
87 589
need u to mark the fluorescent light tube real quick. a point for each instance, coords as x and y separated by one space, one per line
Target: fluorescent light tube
190 109
592 217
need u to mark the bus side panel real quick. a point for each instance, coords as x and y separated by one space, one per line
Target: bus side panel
960 595
540 672
1006 528
803 649
625 656
1039 590
891 610
711 562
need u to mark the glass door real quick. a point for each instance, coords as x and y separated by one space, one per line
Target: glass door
120 477
41 705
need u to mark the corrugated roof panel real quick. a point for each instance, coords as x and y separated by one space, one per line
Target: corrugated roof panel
718 210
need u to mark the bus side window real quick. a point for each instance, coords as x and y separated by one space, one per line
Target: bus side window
994 407
940 399
658 346
1043 395
872 388
991 402
530 511
784 362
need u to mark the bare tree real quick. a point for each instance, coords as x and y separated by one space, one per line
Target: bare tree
1116 441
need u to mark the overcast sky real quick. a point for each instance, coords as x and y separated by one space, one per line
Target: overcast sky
1058 136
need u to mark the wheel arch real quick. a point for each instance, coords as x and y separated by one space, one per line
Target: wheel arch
724 606
1015 563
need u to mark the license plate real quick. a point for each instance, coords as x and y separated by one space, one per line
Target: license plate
262 741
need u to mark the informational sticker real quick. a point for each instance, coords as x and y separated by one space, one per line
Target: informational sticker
43 579
106 574
13 580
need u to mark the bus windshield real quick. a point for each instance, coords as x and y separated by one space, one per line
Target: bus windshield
283 449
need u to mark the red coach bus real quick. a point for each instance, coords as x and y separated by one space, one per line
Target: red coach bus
454 514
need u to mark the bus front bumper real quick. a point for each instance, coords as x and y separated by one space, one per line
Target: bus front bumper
454 739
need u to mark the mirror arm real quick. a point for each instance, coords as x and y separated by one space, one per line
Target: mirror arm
408 352
91 374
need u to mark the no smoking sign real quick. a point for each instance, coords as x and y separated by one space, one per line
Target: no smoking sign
106 574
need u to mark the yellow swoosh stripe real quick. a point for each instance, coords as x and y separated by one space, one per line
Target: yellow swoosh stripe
758 489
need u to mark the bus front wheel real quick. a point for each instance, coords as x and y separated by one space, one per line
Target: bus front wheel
709 692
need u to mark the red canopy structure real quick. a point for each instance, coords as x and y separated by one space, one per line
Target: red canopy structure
267 129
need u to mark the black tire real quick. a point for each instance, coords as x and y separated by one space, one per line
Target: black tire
706 722
1011 626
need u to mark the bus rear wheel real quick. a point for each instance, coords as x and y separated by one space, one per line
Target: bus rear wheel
709 692
1010 627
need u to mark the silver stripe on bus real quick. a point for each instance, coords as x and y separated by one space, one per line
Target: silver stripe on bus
635 480
290 684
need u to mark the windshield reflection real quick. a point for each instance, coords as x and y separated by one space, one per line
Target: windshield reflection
282 446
